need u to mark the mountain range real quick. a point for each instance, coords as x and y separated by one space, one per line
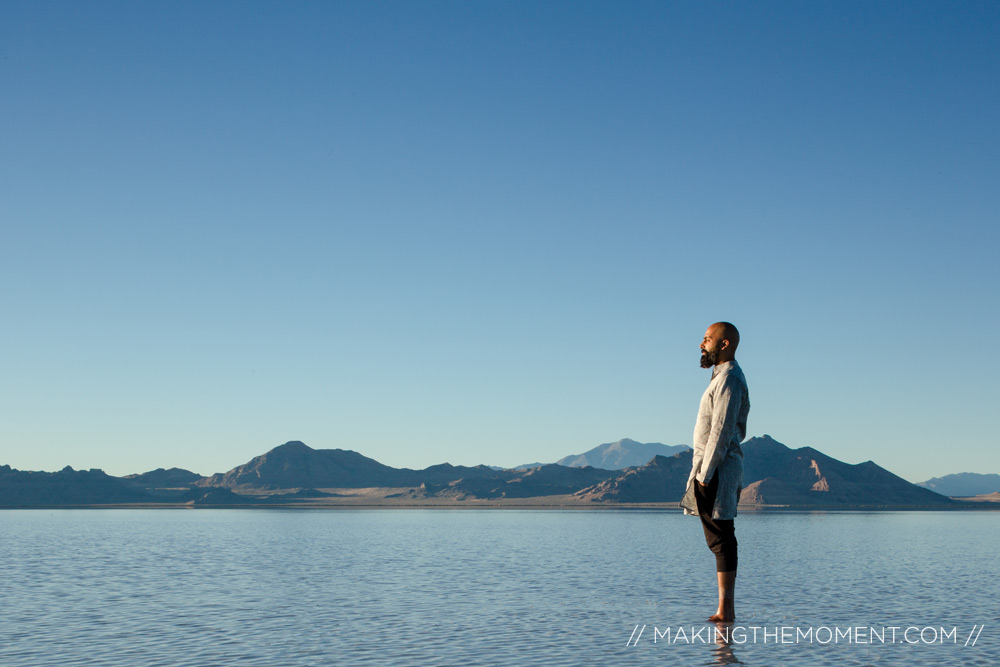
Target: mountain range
775 475
295 465
624 453
619 455
963 484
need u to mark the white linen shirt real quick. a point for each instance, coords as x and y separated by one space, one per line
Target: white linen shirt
720 428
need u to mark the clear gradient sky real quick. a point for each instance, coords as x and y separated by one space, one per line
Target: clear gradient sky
495 232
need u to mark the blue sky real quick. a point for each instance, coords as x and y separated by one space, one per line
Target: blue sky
494 232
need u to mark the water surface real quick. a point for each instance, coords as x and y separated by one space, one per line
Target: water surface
485 587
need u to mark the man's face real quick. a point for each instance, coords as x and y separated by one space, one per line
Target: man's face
710 346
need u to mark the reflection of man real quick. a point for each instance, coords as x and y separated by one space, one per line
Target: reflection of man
713 488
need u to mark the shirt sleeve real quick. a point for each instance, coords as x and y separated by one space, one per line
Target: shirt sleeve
725 413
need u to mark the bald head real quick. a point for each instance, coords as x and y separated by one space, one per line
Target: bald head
719 345
729 333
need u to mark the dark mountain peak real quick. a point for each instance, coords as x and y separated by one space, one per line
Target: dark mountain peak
440 467
765 443
292 446
174 477
294 465
93 472
776 474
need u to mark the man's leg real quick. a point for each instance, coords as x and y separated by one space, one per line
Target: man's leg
726 613
720 535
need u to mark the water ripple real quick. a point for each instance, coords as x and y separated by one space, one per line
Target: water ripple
438 587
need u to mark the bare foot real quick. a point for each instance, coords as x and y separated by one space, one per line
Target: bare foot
726 611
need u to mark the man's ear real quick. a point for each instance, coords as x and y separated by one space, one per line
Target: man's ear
725 344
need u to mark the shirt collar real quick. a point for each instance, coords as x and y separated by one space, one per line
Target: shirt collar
724 367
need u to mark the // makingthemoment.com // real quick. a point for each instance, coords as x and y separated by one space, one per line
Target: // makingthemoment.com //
790 634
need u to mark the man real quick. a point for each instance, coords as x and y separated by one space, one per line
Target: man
716 477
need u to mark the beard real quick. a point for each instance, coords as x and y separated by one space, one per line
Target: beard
708 358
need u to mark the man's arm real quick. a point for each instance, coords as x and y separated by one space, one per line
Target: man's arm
725 413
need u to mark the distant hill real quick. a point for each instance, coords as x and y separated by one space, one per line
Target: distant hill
662 480
295 465
774 474
21 488
619 455
163 479
963 484
546 480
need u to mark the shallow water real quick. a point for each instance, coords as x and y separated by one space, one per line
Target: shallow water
490 587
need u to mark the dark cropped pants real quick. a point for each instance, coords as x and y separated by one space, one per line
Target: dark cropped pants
720 534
